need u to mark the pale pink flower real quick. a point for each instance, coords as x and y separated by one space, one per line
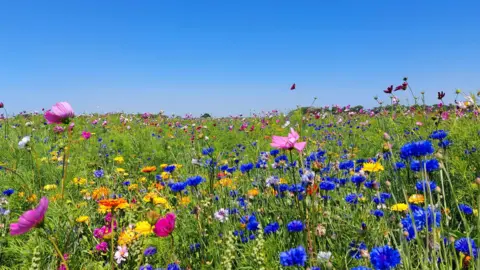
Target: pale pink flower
60 113
289 142
121 254
30 219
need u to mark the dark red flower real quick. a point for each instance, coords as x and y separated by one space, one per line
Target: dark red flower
441 95
388 90
293 87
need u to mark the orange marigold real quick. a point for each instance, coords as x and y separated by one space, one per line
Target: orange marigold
149 169
100 192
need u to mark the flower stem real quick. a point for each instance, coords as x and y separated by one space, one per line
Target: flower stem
65 161
58 252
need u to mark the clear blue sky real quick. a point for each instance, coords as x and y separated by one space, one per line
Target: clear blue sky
228 56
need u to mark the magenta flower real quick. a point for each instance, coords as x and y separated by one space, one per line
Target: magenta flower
86 135
289 142
30 219
165 226
60 113
58 129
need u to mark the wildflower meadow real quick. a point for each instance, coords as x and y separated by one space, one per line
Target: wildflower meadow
334 187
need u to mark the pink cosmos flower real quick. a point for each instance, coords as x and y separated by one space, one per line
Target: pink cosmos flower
58 129
30 219
289 142
60 113
86 135
165 226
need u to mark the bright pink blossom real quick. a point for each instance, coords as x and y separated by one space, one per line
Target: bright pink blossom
60 113
165 226
86 135
30 219
289 142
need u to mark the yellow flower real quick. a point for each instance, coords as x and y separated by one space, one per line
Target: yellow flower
283 181
133 187
399 207
82 204
83 219
160 200
79 181
142 179
185 201
163 166
253 192
372 167
100 192
126 237
119 160
475 212
102 209
416 199
50 187
143 227
178 166
120 170
149 169
32 198
165 175
21 194
225 182
149 196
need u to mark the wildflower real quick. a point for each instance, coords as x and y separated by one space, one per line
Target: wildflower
8 192
377 212
100 192
295 226
143 227
149 169
360 268
60 113
30 219
438 135
253 192
289 142
83 219
427 184
98 173
440 95
416 149
177 187
357 249
119 160
464 245
271 228
86 135
221 215
126 237
399 207
384 257
195 180
185 201
294 257
150 251
372 167
416 199
23 142
244 168
50 187
429 165
324 256
165 226
327 185
272 181
346 165
121 254
78 181
466 209
352 198
103 247
207 151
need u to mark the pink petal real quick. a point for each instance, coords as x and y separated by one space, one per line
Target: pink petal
300 146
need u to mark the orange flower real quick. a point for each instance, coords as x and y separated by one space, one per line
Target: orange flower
100 192
149 169
109 203
253 192
312 189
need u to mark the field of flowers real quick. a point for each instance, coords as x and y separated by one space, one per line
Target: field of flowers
397 187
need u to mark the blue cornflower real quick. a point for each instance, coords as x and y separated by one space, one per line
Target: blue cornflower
464 244
231 170
355 249
294 257
146 267
169 168
252 224
358 179
246 167
360 268
177 186
438 135
352 198
295 226
149 251
384 257
271 228
207 151
399 165
296 188
283 187
274 152
98 173
8 192
372 184
126 183
315 268
421 184
223 167
444 144
195 180
416 149
430 165
173 266
346 165
466 209
194 247
377 212
327 185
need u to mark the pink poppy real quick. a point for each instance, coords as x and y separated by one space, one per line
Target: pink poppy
289 142
30 219
165 226
60 113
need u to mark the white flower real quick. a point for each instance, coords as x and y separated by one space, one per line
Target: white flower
324 256
221 214
28 124
196 161
23 142
121 254
286 124
272 180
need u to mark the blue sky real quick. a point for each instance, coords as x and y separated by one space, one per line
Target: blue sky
230 57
